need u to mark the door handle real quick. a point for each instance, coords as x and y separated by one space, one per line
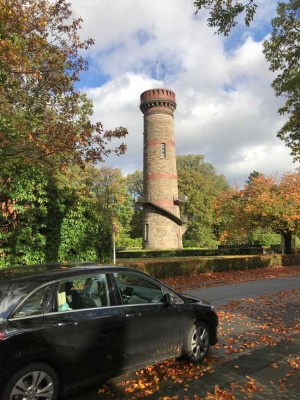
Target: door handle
133 315
66 323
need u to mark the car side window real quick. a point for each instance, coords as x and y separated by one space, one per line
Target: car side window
137 290
82 292
35 304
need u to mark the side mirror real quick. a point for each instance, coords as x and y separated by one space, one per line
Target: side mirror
168 298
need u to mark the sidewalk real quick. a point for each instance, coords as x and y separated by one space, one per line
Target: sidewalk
264 373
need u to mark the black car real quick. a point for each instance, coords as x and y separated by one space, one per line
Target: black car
62 326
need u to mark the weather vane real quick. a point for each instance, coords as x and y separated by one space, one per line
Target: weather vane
157 70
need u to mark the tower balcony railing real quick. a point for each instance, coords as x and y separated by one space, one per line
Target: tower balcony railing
177 199
152 199
145 199
180 199
184 218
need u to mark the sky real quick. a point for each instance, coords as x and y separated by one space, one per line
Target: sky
226 108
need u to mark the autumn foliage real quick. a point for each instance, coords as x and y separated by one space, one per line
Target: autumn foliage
263 203
43 118
46 129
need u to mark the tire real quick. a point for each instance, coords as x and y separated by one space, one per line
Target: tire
197 343
37 381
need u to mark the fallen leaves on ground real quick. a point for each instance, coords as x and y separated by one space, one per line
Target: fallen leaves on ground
294 362
149 379
254 324
292 375
249 387
228 277
244 325
219 394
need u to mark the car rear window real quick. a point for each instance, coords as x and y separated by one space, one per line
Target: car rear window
35 304
3 289
12 295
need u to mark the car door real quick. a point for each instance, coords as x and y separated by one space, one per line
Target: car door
82 329
151 327
26 324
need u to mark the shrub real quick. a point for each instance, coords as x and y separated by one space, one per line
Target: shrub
164 268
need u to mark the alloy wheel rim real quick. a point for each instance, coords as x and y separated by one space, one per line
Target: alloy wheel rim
200 341
37 385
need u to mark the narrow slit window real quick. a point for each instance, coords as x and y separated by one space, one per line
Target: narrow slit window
163 151
146 232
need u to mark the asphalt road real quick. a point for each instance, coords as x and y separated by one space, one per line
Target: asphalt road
257 362
220 295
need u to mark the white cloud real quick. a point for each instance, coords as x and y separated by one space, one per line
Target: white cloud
226 108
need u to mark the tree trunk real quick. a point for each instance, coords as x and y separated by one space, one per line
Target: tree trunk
287 237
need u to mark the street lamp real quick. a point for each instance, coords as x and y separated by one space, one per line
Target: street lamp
114 229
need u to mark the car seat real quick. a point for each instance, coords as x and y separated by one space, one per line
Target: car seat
73 297
91 296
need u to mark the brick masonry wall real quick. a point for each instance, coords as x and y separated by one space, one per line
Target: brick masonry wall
163 232
160 174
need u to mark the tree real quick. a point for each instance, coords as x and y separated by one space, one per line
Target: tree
23 209
223 14
43 118
108 185
55 218
75 227
263 203
199 181
45 128
112 199
134 183
252 176
282 51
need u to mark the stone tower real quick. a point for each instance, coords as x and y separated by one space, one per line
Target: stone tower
162 226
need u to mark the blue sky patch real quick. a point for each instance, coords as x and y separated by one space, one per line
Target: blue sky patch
93 77
143 36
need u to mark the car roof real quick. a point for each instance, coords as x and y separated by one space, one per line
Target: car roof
53 271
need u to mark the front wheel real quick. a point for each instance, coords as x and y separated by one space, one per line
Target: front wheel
197 343
36 381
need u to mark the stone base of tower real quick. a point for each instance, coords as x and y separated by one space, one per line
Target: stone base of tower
160 233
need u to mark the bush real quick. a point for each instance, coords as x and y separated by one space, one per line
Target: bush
225 250
130 244
165 268
289 260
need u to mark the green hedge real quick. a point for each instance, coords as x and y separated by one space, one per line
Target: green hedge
223 251
164 268
290 259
